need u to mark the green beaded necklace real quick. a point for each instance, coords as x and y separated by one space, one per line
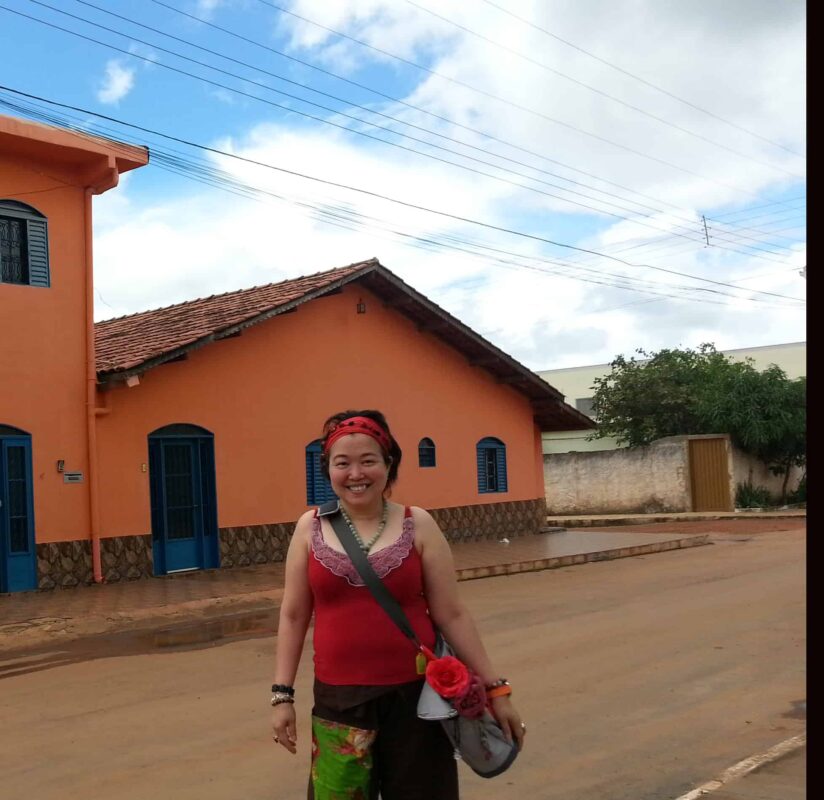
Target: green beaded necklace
366 546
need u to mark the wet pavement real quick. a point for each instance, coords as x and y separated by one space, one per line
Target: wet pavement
213 603
250 596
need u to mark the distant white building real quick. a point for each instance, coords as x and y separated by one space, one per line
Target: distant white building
577 384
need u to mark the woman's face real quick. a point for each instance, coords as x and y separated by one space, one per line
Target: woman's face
357 470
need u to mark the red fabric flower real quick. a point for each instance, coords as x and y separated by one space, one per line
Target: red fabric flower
472 703
448 676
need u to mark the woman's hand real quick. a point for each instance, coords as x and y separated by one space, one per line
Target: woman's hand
284 726
509 719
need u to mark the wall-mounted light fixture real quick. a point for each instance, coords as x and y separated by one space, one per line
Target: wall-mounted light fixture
60 464
361 306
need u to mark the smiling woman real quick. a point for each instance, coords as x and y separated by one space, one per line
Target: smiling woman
367 738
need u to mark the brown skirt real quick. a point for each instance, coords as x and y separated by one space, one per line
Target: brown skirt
407 758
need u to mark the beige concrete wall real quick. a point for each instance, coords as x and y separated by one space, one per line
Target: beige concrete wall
748 468
638 480
574 441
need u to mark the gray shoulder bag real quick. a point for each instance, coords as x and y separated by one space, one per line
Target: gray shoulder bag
479 742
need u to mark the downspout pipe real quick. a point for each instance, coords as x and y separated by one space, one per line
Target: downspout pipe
107 178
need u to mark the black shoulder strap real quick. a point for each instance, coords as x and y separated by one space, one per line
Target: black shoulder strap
375 585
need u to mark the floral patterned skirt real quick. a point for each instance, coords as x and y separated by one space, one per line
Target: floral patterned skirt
368 742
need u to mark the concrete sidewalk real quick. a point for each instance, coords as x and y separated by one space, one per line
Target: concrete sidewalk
36 619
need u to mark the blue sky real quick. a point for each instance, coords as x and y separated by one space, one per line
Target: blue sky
583 145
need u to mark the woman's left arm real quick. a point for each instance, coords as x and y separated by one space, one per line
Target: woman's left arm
452 617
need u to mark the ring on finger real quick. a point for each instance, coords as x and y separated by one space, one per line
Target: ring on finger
523 727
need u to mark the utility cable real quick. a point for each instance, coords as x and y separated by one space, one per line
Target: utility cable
641 80
339 113
504 100
598 91
377 195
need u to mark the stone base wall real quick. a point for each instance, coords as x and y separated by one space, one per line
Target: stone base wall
254 544
64 564
491 520
126 558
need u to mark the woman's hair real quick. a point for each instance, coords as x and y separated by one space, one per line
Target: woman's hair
393 453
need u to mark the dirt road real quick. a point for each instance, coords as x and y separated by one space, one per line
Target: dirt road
639 679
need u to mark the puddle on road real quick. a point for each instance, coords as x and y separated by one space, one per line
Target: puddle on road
172 639
799 710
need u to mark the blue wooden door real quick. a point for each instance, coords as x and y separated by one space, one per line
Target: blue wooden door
183 523
184 513
18 564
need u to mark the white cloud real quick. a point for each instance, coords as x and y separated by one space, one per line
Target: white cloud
117 82
187 244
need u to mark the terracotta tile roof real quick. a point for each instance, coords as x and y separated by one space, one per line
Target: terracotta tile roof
131 345
125 343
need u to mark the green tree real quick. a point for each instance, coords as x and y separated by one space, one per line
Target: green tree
679 392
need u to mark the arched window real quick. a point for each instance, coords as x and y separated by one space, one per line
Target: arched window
426 452
24 245
491 454
318 488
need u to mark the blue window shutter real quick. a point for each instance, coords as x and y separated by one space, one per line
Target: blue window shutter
38 249
310 478
318 488
500 458
479 449
491 457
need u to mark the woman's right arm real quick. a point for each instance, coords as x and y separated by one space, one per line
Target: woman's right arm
295 615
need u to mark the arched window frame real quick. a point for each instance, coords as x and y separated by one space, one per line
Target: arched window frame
426 453
318 487
491 460
24 245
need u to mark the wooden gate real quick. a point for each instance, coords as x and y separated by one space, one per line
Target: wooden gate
709 475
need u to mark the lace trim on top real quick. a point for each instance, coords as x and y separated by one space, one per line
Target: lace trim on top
383 561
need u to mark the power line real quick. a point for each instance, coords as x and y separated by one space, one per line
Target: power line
419 109
325 108
503 100
335 111
598 91
360 107
642 80
396 201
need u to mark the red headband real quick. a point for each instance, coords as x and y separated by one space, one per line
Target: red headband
358 425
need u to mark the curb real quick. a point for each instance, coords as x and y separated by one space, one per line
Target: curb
535 565
746 766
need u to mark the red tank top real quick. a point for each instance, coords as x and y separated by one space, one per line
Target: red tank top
356 643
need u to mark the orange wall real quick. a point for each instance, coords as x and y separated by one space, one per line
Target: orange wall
266 394
42 353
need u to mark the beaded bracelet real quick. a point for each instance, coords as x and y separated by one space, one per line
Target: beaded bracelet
495 684
281 697
280 687
502 690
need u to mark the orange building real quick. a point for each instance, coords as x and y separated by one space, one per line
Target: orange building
208 450
47 373
195 433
